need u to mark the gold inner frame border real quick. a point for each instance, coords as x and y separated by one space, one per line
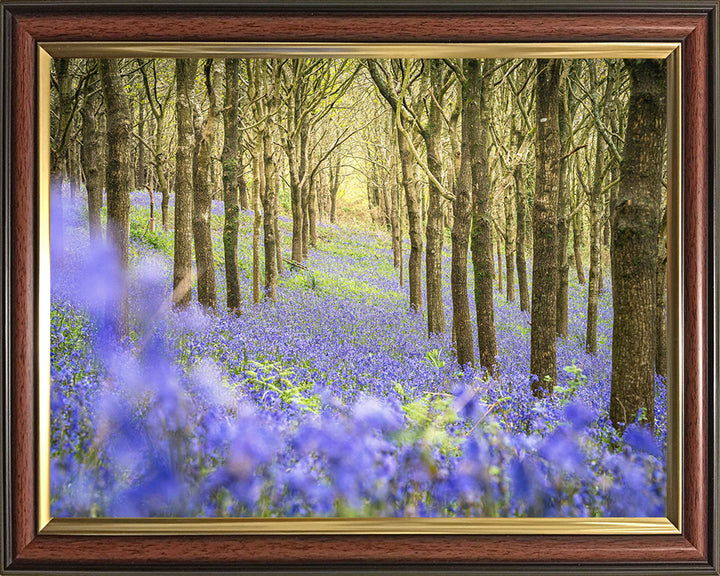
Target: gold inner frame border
671 524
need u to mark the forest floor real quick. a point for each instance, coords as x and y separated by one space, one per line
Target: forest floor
331 401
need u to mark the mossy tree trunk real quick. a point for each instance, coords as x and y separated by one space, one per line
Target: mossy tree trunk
93 152
230 155
478 110
185 70
202 198
543 350
432 134
635 227
118 177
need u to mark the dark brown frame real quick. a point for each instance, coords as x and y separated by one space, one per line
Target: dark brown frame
24 24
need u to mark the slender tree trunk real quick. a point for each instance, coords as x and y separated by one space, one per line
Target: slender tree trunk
304 192
242 185
185 70
462 322
415 224
270 198
434 230
59 149
118 179
269 218
564 122
296 204
395 216
543 352
520 240
140 180
312 213
231 199
478 120
258 193
202 199
334 186
278 238
577 247
635 245
509 244
595 231
93 147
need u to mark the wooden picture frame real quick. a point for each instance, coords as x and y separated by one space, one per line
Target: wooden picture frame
26 548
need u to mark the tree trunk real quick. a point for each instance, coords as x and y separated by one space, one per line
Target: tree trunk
395 215
270 198
296 203
434 230
278 238
185 70
478 120
118 179
231 198
543 352
334 186
595 272
415 224
577 247
462 322
140 180
258 193
61 138
242 185
162 178
564 123
312 212
635 246
304 191
520 208
509 244
93 155
269 217
202 199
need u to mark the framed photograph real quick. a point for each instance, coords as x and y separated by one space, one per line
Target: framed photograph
309 287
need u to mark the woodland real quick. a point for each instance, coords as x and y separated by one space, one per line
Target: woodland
358 287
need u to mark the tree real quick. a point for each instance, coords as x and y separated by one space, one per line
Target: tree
270 81
594 202
543 353
185 70
519 80
634 247
479 79
93 151
462 207
390 87
159 105
432 135
118 178
334 186
313 88
230 157
202 197
565 121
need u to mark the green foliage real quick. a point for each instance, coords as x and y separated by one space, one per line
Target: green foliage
160 239
433 358
274 377
428 420
566 393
